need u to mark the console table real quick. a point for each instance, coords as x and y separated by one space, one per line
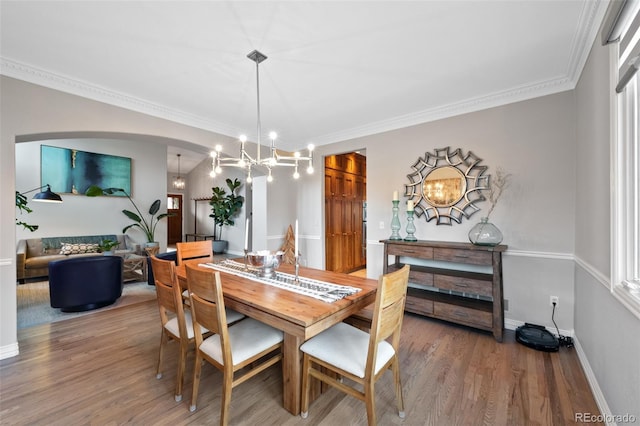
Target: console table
456 282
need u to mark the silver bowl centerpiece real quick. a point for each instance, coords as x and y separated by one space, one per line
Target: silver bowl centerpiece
265 261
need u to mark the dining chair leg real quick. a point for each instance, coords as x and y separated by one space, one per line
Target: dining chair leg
227 387
182 360
197 368
306 382
370 401
396 377
163 340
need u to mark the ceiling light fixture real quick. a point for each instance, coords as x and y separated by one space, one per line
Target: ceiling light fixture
178 182
246 161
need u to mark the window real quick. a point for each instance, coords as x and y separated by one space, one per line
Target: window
625 261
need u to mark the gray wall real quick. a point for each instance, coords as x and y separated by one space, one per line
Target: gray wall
535 141
608 334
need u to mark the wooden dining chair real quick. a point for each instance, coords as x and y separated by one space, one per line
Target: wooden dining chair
231 348
176 324
194 252
175 317
346 351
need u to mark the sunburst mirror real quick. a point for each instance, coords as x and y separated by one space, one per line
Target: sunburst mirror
445 185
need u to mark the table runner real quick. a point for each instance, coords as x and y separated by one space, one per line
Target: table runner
320 290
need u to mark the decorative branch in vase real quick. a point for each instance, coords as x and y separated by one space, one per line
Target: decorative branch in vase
486 233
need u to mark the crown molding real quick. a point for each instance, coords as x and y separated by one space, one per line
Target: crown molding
451 110
54 81
588 26
41 77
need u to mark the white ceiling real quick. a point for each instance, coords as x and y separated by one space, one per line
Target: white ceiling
336 70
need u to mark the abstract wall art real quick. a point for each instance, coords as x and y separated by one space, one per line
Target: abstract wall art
72 171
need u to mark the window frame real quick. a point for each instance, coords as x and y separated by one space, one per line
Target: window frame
625 166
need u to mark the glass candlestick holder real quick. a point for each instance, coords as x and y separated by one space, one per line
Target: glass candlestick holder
411 228
395 222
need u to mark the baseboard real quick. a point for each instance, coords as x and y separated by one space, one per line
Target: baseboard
607 416
9 351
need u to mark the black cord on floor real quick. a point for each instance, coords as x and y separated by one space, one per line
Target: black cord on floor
563 340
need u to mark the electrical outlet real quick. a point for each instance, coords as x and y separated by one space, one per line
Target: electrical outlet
381 225
552 300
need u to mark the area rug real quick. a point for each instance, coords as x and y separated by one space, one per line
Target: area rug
34 305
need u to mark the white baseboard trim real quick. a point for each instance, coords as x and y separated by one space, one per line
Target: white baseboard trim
593 383
9 351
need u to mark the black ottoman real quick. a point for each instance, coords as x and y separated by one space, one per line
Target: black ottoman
84 283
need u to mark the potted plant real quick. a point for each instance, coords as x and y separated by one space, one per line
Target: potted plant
224 207
21 204
106 246
147 226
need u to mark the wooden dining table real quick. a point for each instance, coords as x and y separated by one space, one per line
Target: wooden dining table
300 317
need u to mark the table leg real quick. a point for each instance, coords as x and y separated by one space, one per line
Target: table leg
145 270
291 373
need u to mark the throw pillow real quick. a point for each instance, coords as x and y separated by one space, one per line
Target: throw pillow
68 248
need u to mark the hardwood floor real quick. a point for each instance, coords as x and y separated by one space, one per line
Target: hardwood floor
100 369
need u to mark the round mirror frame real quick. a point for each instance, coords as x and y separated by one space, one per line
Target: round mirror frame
450 201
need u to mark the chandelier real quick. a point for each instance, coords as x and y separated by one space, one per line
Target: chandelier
178 182
273 159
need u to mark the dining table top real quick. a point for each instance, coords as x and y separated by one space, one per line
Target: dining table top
297 314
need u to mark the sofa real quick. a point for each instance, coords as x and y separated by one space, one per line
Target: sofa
83 283
34 254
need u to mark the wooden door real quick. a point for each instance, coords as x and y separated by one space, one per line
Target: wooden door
174 221
345 193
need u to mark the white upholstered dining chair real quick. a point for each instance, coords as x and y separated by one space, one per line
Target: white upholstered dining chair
248 343
362 357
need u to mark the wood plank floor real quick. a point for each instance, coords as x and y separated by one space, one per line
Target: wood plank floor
100 369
